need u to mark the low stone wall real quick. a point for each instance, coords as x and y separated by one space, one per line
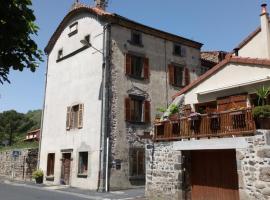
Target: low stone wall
253 165
163 172
20 166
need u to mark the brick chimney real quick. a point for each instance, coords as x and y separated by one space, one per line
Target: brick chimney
265 29
102 4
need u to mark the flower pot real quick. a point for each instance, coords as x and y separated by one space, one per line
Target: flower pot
39 180
263 123
174 117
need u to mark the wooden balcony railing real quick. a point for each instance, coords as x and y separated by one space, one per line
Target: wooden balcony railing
222 124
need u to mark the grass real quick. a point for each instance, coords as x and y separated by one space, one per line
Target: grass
19 143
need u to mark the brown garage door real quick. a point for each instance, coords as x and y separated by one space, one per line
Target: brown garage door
214 175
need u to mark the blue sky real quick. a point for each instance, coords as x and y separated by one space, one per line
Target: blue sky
218 24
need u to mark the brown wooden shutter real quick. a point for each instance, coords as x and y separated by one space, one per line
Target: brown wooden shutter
80 116
171 74
127 109
128 64
68 121
147 112
187 76
146 68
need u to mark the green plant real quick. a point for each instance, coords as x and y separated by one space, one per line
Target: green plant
37 174
161 109
262 93
261 111
173 109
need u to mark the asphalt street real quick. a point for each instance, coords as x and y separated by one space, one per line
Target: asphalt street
15 191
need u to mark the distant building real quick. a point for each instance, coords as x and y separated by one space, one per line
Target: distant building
32 135
106 77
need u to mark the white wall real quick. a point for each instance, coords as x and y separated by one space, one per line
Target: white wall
74 80
231 74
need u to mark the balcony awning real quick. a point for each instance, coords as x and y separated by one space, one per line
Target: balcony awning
233 86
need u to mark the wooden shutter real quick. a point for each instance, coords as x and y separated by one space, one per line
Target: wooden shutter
147 112
80 116
128 64
128 109
146 68
187 76
68 120
171 74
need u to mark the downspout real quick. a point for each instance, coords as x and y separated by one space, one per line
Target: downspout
103 169
166 72
43 110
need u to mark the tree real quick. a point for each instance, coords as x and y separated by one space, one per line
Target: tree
17 49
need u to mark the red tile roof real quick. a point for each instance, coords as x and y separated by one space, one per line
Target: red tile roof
215 69
114 18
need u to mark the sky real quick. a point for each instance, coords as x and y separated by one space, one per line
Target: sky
218 24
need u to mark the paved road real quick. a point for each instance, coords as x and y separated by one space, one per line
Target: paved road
13 191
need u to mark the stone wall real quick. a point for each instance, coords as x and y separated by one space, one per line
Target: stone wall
163 172
253 164
19 167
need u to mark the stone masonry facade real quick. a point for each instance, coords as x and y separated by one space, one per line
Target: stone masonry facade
20 166
163 172
253 165
165 169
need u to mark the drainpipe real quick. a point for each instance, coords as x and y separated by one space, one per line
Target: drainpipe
42 114
104 144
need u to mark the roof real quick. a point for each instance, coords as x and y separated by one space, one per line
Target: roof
215 69
116 19
213 56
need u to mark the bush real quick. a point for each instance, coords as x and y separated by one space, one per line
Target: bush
37 174
261 111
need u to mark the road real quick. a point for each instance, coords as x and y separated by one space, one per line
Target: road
14 191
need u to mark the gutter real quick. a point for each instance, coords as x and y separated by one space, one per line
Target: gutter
43 110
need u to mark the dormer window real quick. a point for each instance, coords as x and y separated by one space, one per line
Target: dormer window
60 54
179 50
136 38
73 29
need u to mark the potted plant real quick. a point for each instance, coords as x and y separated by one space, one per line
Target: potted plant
160 111
174 112
261 115
38 176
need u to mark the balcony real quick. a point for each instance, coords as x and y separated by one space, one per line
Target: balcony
221 124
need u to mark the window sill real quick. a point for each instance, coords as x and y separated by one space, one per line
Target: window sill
142 177
178 86
138 123
137 77
82 175
135 44
178 55
49 178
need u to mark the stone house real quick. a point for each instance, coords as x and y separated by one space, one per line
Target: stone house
214 151
106 76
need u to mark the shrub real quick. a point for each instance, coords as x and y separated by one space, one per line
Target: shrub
261 111
37 174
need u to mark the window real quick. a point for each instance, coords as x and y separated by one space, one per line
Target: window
178 75
83 163
136 38
74 117
179 50
137 162
50 164
73 29
60 54
137 66
137 109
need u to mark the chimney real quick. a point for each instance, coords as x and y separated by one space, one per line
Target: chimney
265 29
101 4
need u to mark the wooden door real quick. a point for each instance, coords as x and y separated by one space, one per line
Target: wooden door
214 175
65 172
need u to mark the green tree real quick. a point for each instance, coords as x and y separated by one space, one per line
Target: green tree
11 123
17 49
